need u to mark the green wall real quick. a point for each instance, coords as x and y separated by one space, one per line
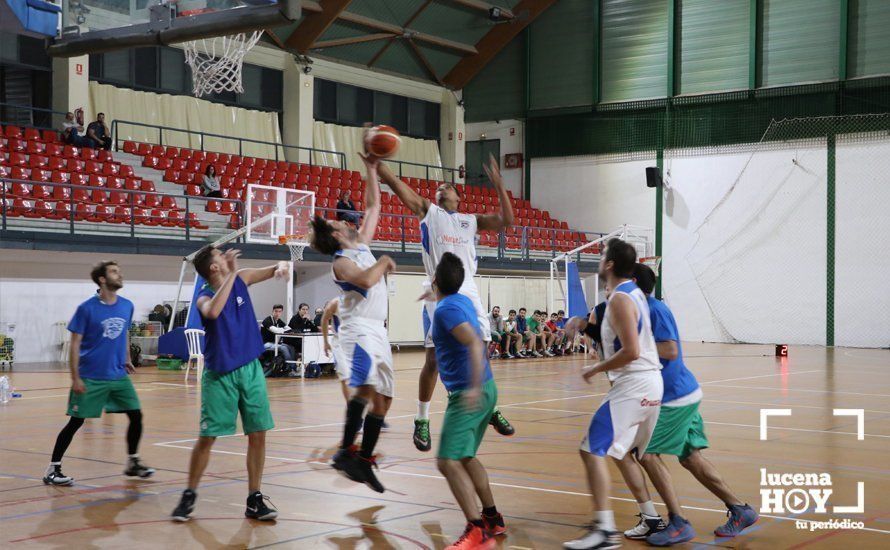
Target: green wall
585 54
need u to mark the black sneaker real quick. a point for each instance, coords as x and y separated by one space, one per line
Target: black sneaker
367 466
137 469
422 439
257 509
501 424
185 507
384 427
345 461
56 477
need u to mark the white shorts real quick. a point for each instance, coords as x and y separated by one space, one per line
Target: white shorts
366 356
429 310
627 417
341 367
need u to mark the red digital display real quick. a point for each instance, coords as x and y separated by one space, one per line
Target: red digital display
781 350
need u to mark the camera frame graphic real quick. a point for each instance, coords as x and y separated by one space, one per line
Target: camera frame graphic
860 435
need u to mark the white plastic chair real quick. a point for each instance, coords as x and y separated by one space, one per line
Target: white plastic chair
193 338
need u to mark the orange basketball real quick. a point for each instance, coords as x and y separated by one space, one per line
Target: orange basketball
382 141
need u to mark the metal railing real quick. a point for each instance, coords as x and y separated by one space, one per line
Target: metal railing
39 118
395 232
202 145
190 226
451 177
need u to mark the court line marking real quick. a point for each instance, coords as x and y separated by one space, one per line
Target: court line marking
795 429
716 385
761 376
622 499
528 488
330 424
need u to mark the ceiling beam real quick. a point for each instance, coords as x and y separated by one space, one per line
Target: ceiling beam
313 25
424 61
381 26
506 13
310 5
494 41
389 43
352 40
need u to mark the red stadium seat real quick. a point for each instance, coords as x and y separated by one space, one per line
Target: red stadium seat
130 147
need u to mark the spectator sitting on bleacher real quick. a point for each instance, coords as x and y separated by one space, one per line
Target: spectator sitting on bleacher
346 210
496 323
210 185
318 313
98 132
510 334
71 132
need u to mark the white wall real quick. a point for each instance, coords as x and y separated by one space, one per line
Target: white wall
594 194
747 274
500 130
39 288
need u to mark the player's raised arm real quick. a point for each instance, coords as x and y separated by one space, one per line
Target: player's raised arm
414 202
372 199
257 275
503 219
348 271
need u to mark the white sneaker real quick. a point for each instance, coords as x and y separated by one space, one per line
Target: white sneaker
595 538
645 527
536 354
549 353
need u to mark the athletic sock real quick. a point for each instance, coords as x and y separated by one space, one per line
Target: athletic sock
648 509
478 523
355 409
423 410
606 520
493 511
52 467
373 424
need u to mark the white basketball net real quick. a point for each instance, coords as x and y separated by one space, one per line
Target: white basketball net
216 62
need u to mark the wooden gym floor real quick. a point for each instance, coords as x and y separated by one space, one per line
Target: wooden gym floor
536 475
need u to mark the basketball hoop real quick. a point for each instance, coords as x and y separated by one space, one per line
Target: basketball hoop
654 262
296 244
216 62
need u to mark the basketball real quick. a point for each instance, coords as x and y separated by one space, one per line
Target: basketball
382 141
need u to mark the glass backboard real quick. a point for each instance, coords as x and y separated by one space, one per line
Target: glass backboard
274 212
89 26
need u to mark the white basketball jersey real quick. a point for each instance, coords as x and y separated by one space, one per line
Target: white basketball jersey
442 231
648 359
357 303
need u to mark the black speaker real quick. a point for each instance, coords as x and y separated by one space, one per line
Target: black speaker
653 177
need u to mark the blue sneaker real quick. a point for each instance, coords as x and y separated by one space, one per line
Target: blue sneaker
740 518
678 530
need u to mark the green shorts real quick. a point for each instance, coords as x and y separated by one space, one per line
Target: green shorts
496 336
111 395
678 432
223 396
462 429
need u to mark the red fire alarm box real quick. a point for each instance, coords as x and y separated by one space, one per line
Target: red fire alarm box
513 160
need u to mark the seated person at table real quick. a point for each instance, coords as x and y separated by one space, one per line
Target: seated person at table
272 325
301 323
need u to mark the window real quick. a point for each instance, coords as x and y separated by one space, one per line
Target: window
163 70
146 67
353 106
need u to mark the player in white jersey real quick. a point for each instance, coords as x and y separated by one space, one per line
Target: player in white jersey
364 345
625 420
444 229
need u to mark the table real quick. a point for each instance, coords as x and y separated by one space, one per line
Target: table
313 349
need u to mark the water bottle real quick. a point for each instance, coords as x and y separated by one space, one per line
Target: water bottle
5 392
